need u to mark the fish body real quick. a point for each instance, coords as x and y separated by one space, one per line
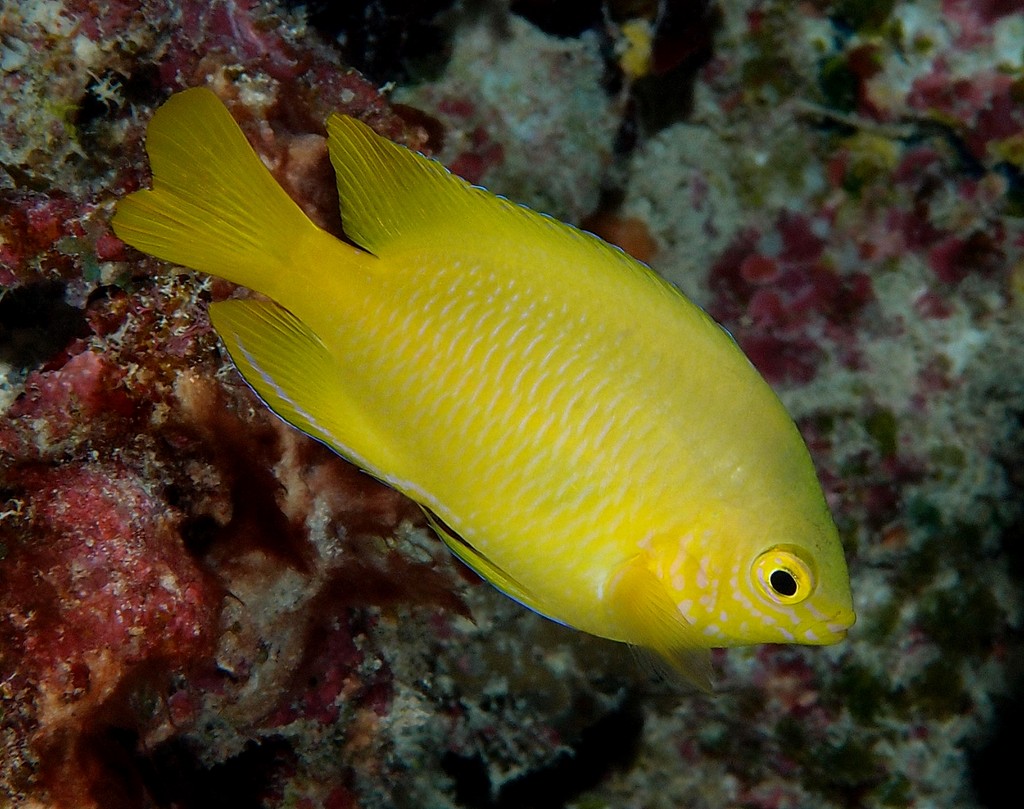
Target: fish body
577 431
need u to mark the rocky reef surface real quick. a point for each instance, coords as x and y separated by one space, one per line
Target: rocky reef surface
200 606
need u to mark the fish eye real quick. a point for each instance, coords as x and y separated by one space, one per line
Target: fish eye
783 575
783 583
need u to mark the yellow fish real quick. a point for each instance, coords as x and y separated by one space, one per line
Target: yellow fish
578 432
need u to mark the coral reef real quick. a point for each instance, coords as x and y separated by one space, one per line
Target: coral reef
200 605
492 102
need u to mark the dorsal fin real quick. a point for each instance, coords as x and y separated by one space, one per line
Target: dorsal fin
393 199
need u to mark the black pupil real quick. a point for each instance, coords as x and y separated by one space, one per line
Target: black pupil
782 582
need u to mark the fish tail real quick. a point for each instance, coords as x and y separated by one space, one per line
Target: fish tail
214 206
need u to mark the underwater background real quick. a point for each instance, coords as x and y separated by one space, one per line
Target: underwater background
200 606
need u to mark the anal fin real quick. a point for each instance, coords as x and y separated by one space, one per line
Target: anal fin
483 566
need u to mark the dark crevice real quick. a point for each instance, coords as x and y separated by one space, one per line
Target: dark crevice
993 774
103 97
992 762
387 40
683 44
561 19
175 777
36 324
610 743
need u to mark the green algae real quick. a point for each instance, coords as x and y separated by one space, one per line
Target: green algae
829 768
769 73
897 791
884 429
864 16
960 619
938 691
878 624
863 692
838 84
872 159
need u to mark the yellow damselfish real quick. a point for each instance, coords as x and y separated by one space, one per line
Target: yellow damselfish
578 432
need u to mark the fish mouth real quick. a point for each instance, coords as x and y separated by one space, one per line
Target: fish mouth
831 630
840 623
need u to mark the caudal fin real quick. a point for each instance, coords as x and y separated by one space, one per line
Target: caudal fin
214 206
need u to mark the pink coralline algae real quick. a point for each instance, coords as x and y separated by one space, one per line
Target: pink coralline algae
482 155
974 20
33 226
101 605
789 301
984 109
156 542
168 548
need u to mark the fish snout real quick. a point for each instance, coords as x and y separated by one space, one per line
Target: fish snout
840 623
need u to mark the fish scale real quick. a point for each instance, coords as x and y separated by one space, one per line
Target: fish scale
474 418
550 386
577 431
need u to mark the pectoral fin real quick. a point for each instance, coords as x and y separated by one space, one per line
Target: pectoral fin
653 621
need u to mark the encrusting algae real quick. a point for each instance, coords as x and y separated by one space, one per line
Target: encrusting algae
577 431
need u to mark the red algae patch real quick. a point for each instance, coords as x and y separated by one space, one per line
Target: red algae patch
99 596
